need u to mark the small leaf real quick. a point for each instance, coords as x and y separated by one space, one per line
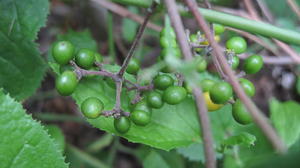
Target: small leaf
154 160
162 159
24 143
286 119
243 138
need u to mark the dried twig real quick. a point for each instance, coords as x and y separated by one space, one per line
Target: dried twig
125 13
200 102
257 116
294 6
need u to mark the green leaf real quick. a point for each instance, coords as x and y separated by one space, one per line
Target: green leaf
162 159
129 27
24 143
243 138
193 152
154 160
286 119
170 126
58 136
21 67
23 19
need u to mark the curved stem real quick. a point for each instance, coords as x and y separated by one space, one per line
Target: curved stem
257 116
247 25
197 92
251 26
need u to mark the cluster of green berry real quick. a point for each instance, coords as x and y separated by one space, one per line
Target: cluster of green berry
63 52
163 84
219 93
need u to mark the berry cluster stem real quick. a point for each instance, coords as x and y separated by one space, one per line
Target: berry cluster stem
119 76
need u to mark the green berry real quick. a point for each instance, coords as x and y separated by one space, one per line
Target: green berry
253 64
235 62
85 58
240 113
122 124
194 38
188 88
154 99
207 84
63 52
201 67
219 29
92 107
66 83
171 33
220 92
247 86
168 42
163 81
140 118
142 106
98 57
174 95
237 44
133 66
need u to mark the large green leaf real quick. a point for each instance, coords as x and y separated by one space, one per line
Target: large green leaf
286 119
24 143
170 126
23 18
21 67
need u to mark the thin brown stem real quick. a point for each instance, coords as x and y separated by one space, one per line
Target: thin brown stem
265 10
273 60
255 39
200 102
125 13
249 6
137 39
257 116
294 6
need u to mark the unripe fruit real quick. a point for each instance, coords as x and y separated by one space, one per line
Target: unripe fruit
140 118
211 106
66 83
163 81
237 44
247 86
240 113
133 66
122 124
63 52
154 99
92 107
253 64
207 84
174 95
221 92
219 29
85 58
